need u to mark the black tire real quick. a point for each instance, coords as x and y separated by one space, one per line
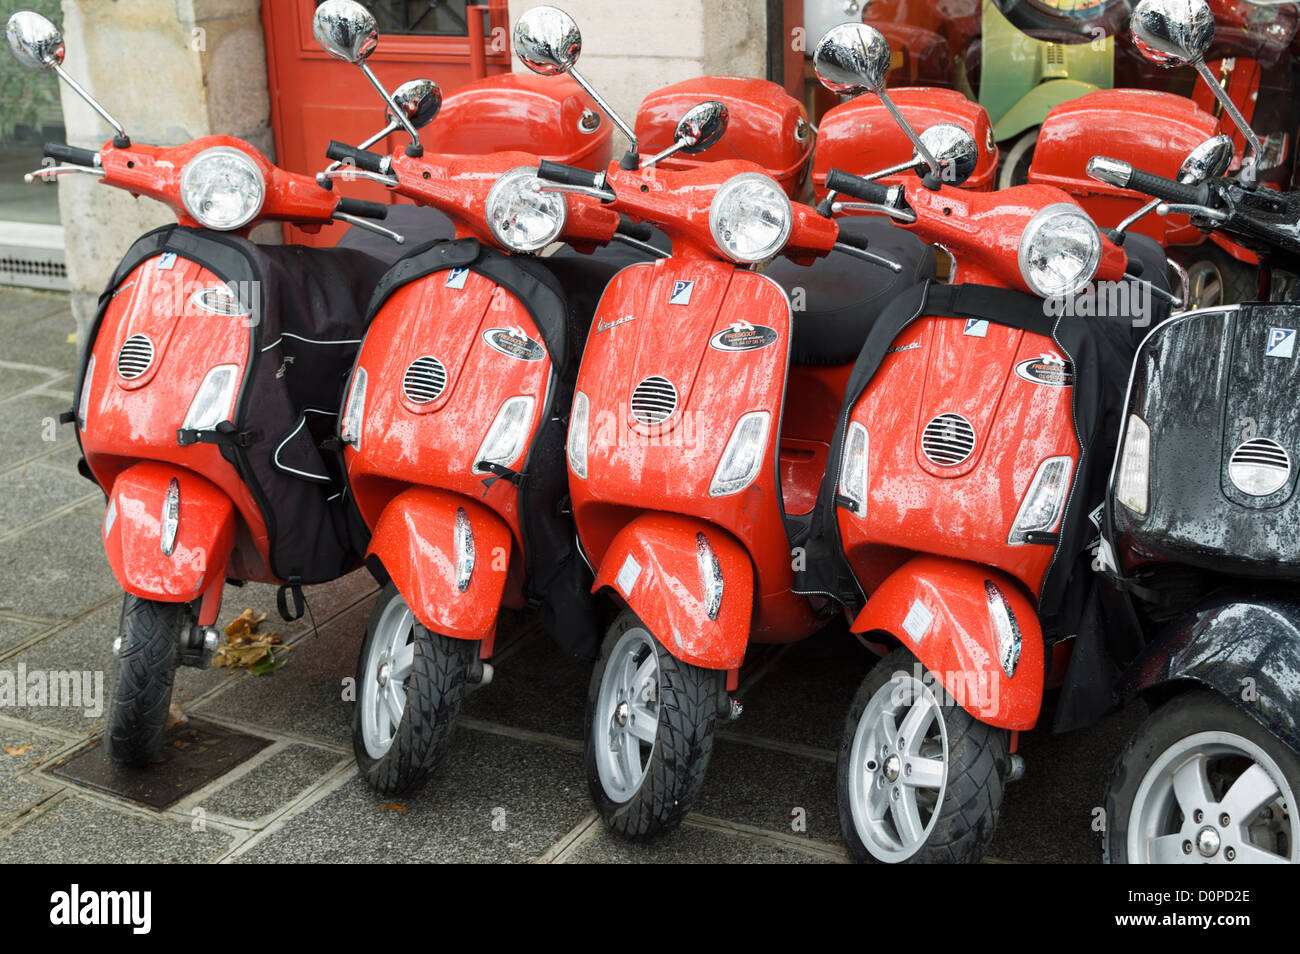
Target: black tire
689 702
979 758
1215 276
140 684
1016 158
1193 712
434 690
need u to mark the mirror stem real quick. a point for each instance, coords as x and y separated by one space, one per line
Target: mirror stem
121 140
675 148
398 113
1140 213
606 109
930 161
1248 162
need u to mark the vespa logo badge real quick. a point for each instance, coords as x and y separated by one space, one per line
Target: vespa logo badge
681 293
1281 343
603 325
1050 370
456 277
513 343
976 328
742 336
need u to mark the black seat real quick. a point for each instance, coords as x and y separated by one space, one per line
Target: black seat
843 295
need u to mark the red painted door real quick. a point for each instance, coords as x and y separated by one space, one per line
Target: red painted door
316 98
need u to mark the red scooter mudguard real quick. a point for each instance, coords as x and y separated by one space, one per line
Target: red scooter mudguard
658 565
448 556
134 532
968 625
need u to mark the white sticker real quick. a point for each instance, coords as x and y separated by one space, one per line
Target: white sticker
681 293
918 620
976 328
110 516
456 277
1281 343
166 260
628 576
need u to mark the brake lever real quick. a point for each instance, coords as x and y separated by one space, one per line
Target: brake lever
545 185
47 173
349 172
1197 211
642 246
862 253
370 226
903 215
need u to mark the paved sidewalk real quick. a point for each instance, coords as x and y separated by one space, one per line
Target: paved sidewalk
513 787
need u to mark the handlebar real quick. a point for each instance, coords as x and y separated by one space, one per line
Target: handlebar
65 153
362 208
857 187
569 175
1124 176
361 158
634 230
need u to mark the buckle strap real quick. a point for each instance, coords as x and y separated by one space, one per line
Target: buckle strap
504 473
223 434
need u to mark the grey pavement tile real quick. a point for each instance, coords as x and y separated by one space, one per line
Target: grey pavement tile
534 793
762 788
80 830
272 784
25 425
31 492
20 307
14 631
306 696
43 342
17 380
1047 816
685 845
536 687
58 568
18 792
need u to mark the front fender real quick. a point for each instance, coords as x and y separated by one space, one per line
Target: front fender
133 527
417 541
1244 645
1032 108
657 564
940 609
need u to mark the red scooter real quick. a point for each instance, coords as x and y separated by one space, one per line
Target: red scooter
212 370
970 450
453 431
688 466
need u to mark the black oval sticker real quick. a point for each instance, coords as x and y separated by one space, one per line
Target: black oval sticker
743 337
1050 371
513 344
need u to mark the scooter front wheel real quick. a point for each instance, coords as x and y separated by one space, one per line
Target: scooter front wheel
918 779
410 683
650 724
1203 783
144 667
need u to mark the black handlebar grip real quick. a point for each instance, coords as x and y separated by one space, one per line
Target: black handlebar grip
1167 189
361 158
567 175
64 153
362 208
634 230
857 187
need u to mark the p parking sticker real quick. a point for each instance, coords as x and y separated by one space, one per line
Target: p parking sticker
1281 343
976 328
456 277
1050 370
166 261
513 343
742 336
681 293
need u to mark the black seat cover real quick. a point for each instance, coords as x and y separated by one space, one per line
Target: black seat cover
843 295
418 223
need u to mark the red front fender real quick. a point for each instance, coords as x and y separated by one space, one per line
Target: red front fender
657 564
415 539
133 530
942 610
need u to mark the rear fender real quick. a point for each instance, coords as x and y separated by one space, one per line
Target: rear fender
133 533
657 564
941 610
419 544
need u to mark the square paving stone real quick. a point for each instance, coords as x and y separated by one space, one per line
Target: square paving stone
25 425
31 492
19 792
80 830
269 786
17 380
686 845
14 631
537 687
58 568
43 342
762 788
533 794
19 307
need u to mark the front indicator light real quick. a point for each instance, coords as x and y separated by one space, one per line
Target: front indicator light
171 517
577 443
1134 467
710 575
743 455
853 470
505 438
463 540
1006 629
1045 501
212 403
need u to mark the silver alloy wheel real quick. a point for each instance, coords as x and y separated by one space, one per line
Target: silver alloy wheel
382 693
898 768
1213 798
627 714
1204 284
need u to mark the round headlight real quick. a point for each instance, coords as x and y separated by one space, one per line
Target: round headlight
521 218
750 217
222 188
1059 250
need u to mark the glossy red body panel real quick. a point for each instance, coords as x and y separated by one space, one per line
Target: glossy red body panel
521 112
861 137
957 644
132 531
415 540
1151 131
767 126
653 564
128 422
